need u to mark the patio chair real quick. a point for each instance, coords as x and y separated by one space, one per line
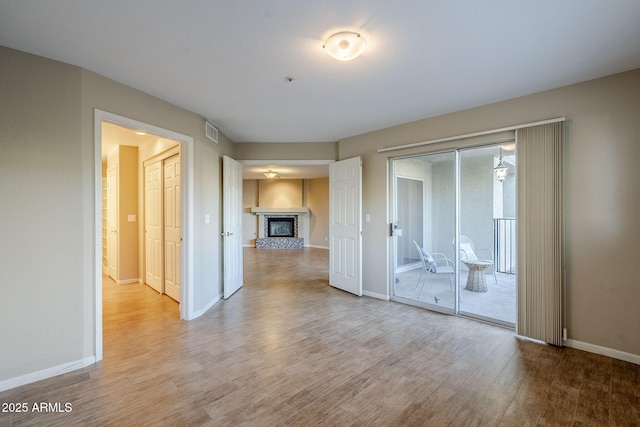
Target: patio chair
433 263
468 251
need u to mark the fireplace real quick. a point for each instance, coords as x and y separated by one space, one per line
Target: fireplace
281 227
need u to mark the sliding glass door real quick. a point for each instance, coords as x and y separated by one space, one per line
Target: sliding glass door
454 232
424 211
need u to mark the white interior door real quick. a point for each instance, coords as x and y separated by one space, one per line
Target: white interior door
172 236
345 206
232 225
153 225
112 222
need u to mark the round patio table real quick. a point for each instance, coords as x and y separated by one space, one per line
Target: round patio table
476 281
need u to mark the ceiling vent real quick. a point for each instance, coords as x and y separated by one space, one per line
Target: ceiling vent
210 131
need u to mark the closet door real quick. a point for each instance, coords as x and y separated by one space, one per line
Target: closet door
153 225
172 238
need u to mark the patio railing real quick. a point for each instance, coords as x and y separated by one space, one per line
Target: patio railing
504 238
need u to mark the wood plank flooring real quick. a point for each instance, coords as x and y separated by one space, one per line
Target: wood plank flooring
290 350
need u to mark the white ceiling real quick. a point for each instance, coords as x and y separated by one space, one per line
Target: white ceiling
114 135
228 60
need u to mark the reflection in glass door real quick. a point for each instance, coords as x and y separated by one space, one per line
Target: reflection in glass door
424 228
409 225
454 229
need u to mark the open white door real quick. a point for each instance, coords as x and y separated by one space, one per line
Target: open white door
232 225
345 206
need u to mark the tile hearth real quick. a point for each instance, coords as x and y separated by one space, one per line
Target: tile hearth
280 243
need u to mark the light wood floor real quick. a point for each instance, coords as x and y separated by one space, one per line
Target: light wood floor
288 349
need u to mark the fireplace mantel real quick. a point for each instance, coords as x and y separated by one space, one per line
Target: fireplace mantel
265 211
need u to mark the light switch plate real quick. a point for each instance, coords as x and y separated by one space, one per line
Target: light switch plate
132 218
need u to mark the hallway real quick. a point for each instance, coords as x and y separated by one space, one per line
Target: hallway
287 349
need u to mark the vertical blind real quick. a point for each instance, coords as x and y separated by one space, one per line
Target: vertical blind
540 232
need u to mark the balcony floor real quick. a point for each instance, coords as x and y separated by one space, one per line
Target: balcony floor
499 302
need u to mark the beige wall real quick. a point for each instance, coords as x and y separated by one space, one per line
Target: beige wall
249 219
602 197
42 204
317 200
128 205
286 151
280 193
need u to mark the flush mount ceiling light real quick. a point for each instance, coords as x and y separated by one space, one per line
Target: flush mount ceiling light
345 45
270 174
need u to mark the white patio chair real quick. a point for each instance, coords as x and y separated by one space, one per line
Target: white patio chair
433 263
468 251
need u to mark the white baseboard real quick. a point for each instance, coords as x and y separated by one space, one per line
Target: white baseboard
198 313
605 351
128 281
375 295
46 373
318 247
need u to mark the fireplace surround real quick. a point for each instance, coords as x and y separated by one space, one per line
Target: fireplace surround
281 228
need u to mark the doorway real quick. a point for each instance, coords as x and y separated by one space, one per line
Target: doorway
461 258
186 250
303 188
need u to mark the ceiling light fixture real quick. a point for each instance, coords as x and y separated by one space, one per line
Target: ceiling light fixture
270 174
345 45
140 132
